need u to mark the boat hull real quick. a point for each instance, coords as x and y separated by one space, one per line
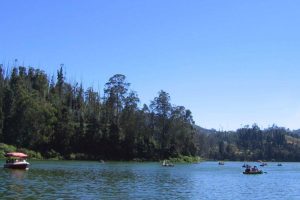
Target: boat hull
17 166
253 173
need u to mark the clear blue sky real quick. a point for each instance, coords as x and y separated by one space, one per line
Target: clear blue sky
231 62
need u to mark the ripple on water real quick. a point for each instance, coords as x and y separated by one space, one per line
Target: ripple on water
91 180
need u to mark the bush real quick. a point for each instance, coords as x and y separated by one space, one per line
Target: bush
186 159
53 155
4 148
31 154
77 156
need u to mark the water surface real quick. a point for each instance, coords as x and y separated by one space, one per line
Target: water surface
116 180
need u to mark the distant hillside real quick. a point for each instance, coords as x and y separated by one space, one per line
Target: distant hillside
250 143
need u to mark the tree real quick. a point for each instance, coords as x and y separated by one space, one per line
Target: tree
115 94
129 125
161 107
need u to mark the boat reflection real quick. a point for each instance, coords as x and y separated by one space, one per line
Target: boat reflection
17 174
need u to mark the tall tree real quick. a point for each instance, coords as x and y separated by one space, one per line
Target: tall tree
115 94
161 107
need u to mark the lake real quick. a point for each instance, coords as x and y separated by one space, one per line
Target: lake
122 180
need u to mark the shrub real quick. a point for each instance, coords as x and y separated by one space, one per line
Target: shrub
186 159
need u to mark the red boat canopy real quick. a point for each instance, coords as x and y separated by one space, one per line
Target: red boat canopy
16 154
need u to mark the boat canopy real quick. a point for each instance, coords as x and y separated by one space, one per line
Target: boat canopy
16 154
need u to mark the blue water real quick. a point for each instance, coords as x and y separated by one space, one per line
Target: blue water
116 180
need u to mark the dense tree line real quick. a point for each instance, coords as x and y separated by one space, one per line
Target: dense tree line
59 119
252 144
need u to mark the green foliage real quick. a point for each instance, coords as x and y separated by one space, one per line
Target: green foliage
31 154
185 159
78 156
4 148
252 144
53 155
65 121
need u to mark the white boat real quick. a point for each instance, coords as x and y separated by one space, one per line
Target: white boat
16 160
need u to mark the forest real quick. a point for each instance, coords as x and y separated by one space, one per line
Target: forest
61 120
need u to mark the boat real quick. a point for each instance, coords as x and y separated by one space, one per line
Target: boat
167 163
252 171
263 164
16 160
221 163
279 164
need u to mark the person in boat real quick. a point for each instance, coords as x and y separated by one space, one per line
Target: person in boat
254 169
248 168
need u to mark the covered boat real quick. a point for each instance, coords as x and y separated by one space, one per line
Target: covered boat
16 160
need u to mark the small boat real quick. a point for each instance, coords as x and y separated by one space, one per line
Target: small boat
254 170
221 163
166 163
279 164
263 164
16 160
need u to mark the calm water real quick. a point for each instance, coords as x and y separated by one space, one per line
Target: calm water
93 180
